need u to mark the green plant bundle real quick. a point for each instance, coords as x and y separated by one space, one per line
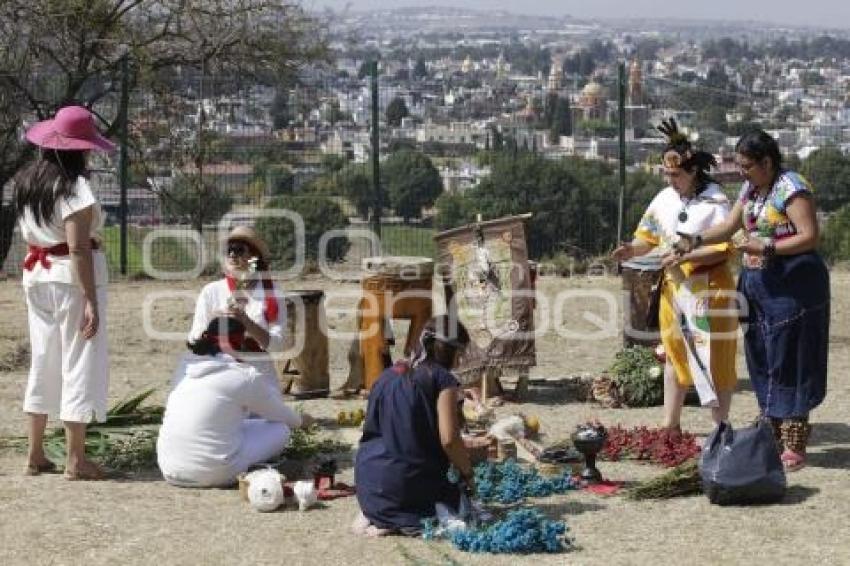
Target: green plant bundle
126 442
305 443
638 377
682 480
128 449
130 412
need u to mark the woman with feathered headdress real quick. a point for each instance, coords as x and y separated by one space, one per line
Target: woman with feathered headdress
699 342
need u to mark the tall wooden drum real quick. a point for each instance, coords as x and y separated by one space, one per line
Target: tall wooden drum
307 371
394 287
640 275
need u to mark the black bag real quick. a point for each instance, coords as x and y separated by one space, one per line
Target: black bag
743 466
654 306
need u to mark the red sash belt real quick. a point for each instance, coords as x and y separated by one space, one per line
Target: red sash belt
36 254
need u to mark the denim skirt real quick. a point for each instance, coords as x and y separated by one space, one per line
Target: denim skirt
786 333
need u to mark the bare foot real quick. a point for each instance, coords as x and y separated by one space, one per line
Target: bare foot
360 524
362 527
39 465
374 532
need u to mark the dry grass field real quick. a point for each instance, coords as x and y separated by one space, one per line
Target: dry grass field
47 520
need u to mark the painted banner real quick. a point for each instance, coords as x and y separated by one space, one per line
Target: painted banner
487 283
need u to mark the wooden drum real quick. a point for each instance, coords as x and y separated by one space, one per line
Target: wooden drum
307 372
394 287
640 275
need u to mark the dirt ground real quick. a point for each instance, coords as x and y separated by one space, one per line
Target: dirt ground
47 520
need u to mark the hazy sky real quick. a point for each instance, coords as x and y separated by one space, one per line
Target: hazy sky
832 13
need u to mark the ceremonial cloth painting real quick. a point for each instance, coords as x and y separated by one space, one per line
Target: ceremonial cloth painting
487 283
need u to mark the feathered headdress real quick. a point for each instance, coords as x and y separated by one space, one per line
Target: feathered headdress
671 130
679 152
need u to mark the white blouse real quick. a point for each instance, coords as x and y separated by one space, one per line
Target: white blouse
52 232
214 297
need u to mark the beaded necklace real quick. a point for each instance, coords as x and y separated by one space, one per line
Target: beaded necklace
759 201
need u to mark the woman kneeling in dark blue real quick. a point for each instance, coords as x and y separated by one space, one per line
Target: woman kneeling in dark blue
412 435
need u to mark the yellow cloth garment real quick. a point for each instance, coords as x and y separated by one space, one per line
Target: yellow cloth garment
659 227
721 288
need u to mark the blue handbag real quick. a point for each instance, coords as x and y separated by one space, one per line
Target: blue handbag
740 467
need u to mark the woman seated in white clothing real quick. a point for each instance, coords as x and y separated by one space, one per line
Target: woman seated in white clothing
221 418
248 295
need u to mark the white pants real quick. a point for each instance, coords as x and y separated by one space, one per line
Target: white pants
262 440
69 375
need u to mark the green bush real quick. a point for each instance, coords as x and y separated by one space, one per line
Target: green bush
320 215
638 377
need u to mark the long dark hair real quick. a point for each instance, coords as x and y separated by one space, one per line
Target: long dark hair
757 145
441 338
41 183
219 327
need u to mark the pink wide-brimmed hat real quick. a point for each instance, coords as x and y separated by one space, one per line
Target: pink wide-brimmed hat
71 129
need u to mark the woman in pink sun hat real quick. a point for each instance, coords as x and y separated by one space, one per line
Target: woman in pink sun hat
64 279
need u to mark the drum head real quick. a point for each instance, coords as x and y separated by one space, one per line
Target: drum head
401 267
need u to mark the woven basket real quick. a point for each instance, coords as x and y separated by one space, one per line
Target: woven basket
478 448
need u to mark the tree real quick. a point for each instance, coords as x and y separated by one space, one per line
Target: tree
412 183
562 120
453 210
712 118
811 78
53 53
420 71
396 110
319 213
180 203
641 188
549 108
354 183
597 128
279 110
829 172
835 241
363 70
573 202
283 181
332 162
275 178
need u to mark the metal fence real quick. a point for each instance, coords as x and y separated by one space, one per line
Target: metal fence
205 148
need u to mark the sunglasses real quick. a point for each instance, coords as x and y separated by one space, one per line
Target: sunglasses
237 249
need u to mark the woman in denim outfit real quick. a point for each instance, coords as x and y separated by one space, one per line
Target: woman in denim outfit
786 286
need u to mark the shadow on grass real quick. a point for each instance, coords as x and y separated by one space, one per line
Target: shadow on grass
552 393
798 494
567 508
830 458
829 433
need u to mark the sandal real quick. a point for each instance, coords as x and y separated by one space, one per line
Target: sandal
88 473
793 461
38 469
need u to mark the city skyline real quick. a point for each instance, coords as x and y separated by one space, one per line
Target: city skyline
822 13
